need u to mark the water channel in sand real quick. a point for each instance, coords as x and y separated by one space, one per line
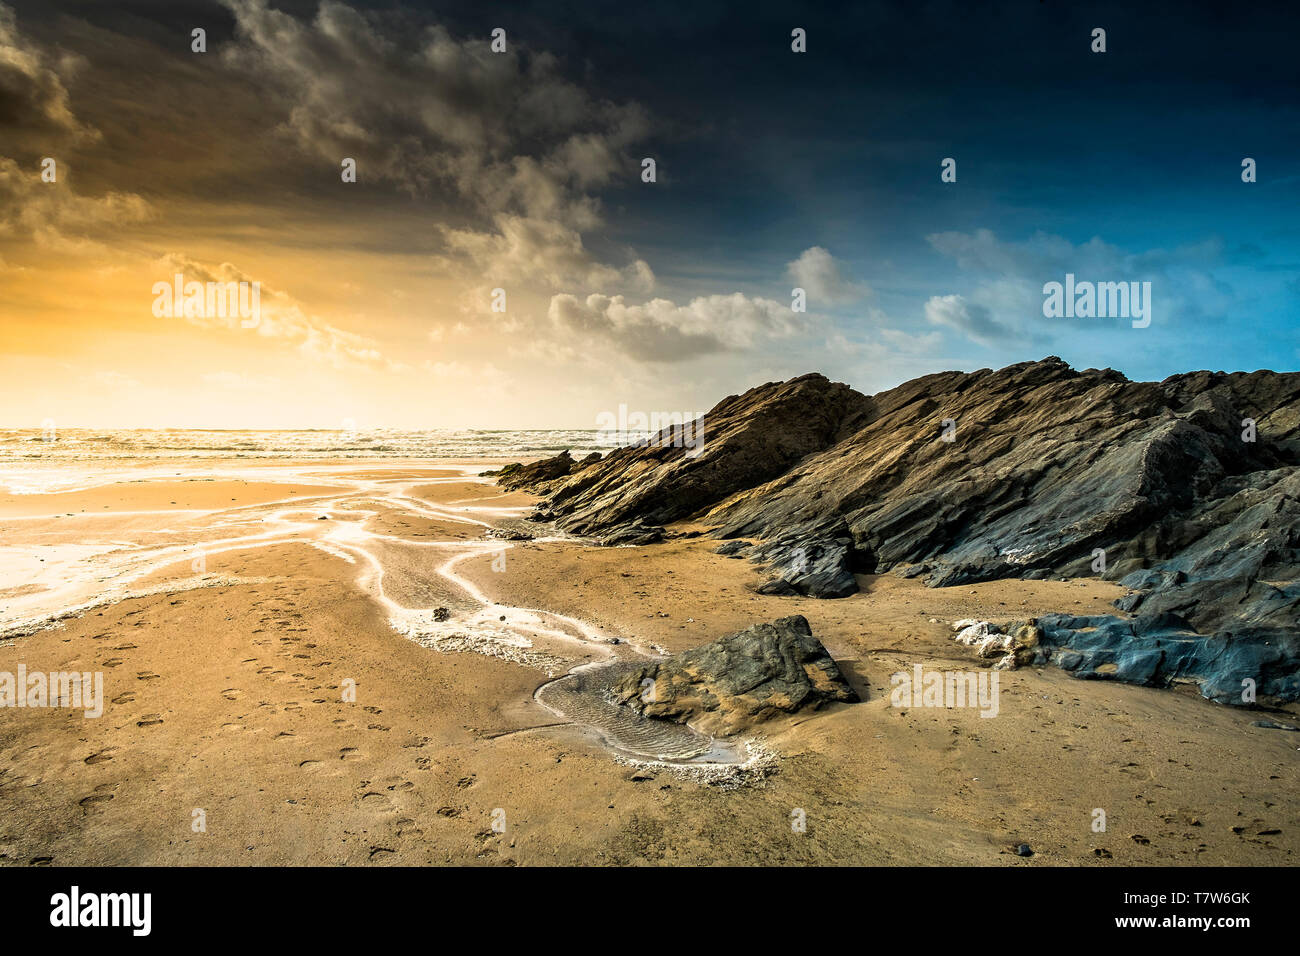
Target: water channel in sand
62 576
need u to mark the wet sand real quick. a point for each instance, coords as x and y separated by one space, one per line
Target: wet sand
226 689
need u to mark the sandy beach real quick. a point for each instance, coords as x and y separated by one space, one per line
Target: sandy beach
230 616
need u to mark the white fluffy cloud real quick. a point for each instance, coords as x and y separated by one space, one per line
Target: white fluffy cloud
663 331
818 273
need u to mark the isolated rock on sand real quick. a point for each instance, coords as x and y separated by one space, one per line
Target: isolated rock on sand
739 680
1013 647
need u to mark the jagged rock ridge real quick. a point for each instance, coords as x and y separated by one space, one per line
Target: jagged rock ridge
1034 470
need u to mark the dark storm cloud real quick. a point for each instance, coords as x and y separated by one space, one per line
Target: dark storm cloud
35 111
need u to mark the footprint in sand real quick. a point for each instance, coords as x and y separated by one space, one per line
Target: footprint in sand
377 800
350 753
101 756
408 827
149 720
147 675
91 803
380 852
309 765
232 693
127 698
112 662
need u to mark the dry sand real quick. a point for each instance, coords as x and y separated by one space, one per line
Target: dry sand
226 696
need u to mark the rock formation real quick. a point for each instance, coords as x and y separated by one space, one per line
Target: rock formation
1186 491
730 684
745 440
536 475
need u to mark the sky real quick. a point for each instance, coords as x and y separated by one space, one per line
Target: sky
523 171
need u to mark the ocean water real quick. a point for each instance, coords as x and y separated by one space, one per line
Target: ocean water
34 461
29 445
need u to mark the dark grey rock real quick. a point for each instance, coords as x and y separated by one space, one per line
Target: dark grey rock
1143 580
732 549
736 681
913 570
1159 649
539 475
743 441
631 534
821 568
1130 602
1273 725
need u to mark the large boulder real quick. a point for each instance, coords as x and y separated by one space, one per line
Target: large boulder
739 680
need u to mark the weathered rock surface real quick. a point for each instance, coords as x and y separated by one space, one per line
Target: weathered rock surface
508 534
538 476
739 680
814 567
1015 646
1045 465
734 548
1032 471
631 533
744 441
